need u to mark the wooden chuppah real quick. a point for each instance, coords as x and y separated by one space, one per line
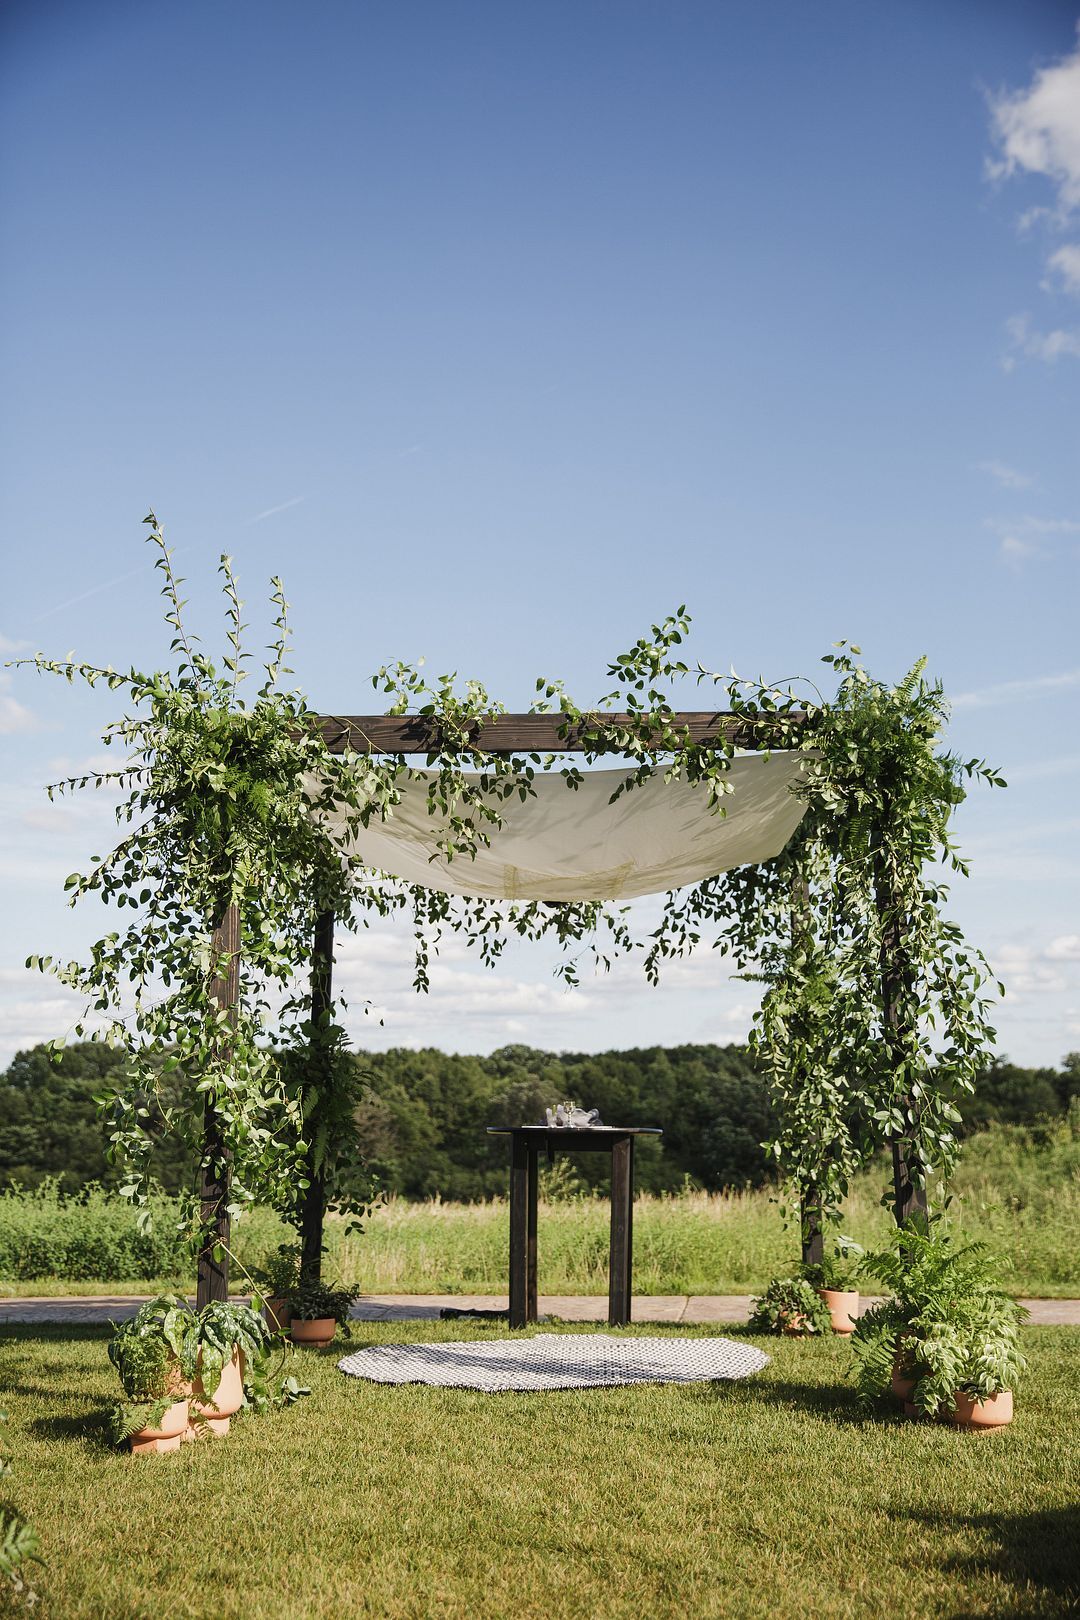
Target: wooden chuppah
523 734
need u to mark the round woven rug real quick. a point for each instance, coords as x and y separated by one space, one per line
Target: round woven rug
555 1361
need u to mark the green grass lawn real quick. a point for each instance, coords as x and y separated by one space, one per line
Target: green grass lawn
773 1495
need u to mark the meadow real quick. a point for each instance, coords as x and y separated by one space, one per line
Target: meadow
1016 1188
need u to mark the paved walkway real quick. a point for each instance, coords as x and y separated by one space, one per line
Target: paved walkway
427 1307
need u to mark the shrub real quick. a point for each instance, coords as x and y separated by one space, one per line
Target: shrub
790 1304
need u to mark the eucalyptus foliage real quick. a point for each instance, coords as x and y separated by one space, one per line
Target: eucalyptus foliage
874 1014
227 802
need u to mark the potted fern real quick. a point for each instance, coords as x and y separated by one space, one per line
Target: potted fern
155 1356
278 1280
790 1305
946 1343
318 1310
836 1281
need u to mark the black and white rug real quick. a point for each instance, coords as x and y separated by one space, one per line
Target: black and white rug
555 1361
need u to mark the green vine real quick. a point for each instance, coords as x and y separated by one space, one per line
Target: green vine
874 1011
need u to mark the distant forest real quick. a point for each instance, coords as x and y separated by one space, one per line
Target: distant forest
425 1114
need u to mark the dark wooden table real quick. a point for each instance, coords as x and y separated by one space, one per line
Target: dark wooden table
526 1144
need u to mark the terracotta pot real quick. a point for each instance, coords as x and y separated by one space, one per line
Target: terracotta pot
968 1412
794 1325
167 1436
316 1330
215 1410
277 1314
903 1379
842 1305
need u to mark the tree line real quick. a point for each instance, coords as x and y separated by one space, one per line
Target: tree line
424 1114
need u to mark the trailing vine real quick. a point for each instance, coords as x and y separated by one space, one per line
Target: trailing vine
874 1010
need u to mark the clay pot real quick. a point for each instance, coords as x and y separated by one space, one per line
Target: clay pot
277 1314
167 1436
968 1412
316 1330
902 1386
215 1410
842 1305
795 1325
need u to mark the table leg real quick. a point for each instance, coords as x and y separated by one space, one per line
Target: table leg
531 1312
519 1224
622 1234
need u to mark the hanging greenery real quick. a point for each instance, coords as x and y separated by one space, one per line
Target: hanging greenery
224 871
874 1010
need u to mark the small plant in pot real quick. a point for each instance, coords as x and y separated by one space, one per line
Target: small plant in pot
318 1310
232 1365
155 1356
278 1280
790 1305
836 1281
947 1342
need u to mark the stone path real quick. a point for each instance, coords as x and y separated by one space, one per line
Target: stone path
426 1307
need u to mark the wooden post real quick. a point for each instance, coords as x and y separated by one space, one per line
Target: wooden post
520 1203
322 1010
620 1257
897 984
213 1258
811 1224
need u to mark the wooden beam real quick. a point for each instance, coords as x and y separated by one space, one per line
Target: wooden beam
213 1257
313 1205
909 1188
533 733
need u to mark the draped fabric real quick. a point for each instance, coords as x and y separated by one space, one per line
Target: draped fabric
575 844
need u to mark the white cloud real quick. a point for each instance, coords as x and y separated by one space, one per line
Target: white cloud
1017 536
1065 262
33 1009
15 717
1037 131
1034 345
1015 551
1008 477
10 648
1013 691
1032 970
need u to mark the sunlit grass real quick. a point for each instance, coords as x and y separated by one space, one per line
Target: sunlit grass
775 1494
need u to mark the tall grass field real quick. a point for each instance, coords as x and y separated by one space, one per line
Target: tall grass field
1017 1189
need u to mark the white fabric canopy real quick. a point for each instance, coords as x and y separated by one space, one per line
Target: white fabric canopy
573 844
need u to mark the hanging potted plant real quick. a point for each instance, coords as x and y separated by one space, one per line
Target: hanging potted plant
155 1357
232 1359
947 1342
318 1310
790 1305
835 1281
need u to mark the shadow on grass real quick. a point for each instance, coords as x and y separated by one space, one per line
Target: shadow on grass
1036 1551
833 1404
91 1427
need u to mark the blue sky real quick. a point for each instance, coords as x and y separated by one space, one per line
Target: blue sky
500 330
